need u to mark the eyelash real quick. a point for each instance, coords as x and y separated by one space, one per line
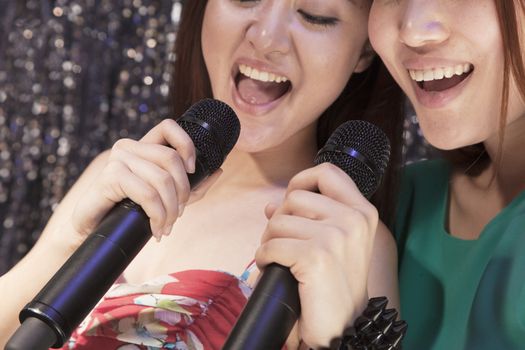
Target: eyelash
312 19
318 20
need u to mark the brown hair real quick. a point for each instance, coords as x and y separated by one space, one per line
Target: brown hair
473 158
372 95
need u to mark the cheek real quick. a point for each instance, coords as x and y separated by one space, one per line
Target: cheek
378 36
208 38
217 39
326 80
516 104
329 73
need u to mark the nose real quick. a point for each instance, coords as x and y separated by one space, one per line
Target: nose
423 24
269 33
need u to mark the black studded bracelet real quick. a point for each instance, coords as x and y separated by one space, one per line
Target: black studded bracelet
376 329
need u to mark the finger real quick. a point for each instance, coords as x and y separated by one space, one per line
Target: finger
121 184
310 205
270 209
294 340
321 208
163 156
318 207
161 180
283 251
301 256
331 238
290 226
329 180
199 192
336 184
168 132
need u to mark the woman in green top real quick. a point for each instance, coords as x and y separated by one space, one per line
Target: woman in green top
461 222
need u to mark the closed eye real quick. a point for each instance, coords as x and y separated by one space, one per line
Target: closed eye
318 20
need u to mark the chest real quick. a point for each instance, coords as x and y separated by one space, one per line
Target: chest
221 237
471 208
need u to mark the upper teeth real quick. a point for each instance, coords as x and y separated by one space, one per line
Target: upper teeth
256 74
439 73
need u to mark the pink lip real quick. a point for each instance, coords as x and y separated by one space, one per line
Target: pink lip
439 99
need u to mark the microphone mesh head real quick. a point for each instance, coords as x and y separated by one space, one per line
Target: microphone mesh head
214 128
366 166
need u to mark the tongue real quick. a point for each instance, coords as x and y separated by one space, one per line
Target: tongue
258 92
443 84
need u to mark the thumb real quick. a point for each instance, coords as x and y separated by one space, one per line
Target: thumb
270 209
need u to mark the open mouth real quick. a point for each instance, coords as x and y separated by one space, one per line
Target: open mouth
441 79
257 87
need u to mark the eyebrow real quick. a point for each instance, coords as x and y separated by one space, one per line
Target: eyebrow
356 3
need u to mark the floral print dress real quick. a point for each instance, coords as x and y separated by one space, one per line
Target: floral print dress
192 309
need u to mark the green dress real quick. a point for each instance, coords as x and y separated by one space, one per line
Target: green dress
458 294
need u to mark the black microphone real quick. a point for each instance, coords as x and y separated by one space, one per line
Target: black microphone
50 318
362 151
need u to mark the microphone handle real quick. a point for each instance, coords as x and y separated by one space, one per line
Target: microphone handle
270 313
88 274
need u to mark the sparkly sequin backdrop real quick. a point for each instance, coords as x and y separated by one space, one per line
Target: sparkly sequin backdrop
74 77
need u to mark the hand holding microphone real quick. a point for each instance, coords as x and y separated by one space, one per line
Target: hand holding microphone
162 167
49 319
324 232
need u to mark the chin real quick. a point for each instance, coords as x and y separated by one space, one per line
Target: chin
449 142
442 139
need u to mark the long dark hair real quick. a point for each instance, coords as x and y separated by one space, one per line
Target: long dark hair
372 95
473 159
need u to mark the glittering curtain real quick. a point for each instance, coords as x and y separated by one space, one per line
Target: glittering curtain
74 77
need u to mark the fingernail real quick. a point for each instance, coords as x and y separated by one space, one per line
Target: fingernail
167 230
158 238
190 165
181 209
